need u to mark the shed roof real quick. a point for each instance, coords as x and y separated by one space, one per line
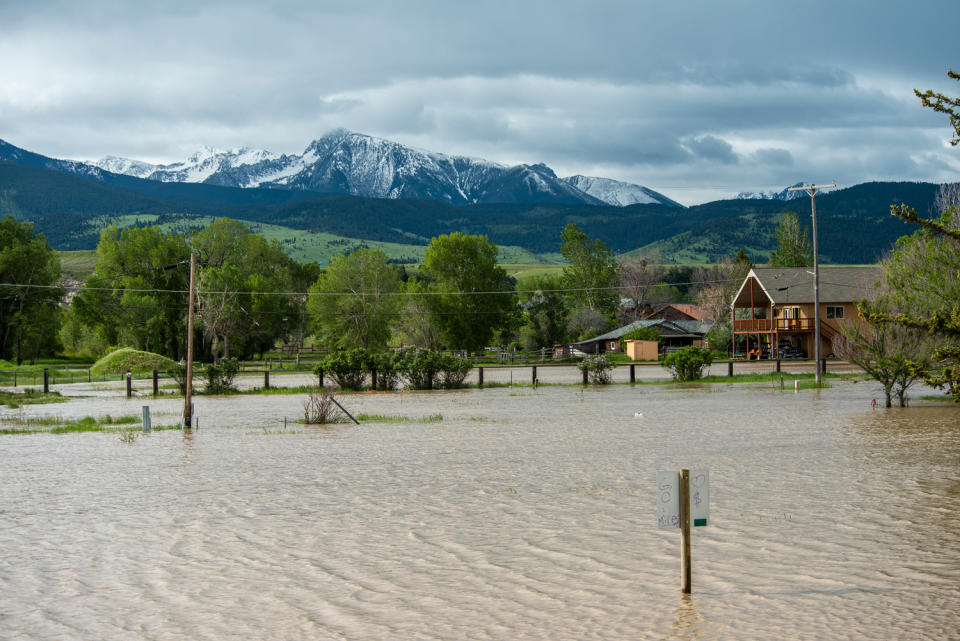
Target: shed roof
794 285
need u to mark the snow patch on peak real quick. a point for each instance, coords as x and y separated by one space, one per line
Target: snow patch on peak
618 193
783 194
126 166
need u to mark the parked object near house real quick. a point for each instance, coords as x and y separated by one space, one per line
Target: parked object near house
642 350
773 312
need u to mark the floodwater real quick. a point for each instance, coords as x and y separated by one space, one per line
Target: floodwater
523 514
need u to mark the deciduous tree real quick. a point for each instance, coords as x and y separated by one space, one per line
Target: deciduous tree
30 293
355 301
473 298
592 275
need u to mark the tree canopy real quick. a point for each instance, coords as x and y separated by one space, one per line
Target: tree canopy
355 301
924 271
793 243
472 296
29 294
593 274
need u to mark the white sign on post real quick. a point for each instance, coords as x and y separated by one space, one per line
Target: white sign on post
699 497
668 498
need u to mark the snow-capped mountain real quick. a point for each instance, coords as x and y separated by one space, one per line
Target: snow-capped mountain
346 162
773 195
617 193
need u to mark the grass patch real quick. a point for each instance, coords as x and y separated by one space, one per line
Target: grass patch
395 418
807 381
937 398
125 359
54 425
30 397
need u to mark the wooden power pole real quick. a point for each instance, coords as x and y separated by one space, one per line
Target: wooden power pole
188 400
817 346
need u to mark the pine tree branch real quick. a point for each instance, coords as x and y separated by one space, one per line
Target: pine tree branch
909 215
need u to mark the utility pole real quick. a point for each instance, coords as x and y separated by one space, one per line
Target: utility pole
188 400
818 348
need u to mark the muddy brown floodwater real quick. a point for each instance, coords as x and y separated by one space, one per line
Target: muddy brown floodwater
522 514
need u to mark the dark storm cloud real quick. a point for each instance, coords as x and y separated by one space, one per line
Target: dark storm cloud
729 93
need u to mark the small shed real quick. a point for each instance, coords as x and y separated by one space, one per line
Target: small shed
642 350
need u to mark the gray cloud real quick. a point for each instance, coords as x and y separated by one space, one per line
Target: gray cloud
702 98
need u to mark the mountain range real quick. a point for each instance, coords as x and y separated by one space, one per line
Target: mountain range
70 202
344 162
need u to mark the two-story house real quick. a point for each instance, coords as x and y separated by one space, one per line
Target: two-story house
773 312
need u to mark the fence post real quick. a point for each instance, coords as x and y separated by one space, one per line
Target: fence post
46 380
156 383
320 376
480 374
533 375
146 418
129 384
729 368
266 379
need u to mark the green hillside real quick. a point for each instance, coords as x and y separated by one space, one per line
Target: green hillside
855 225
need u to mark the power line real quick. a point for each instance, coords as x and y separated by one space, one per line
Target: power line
123 290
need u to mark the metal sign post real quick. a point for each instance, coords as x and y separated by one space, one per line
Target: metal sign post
683 500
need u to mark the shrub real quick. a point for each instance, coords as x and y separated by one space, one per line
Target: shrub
319 408
220 377
387 375
599 369
453 370
348 367
418 367
687 363
178 372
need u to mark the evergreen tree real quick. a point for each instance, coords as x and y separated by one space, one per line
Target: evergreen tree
793 243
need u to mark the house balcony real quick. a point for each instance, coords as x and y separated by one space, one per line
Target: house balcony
762 325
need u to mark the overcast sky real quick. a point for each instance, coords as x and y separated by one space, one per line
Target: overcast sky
697 99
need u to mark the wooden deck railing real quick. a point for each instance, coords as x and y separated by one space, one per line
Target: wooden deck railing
778 324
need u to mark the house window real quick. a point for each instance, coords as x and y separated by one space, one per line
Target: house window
834 311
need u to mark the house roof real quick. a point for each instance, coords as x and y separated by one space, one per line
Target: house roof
665 327
794 285
690 309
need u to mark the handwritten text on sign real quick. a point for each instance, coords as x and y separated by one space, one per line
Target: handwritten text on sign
668 498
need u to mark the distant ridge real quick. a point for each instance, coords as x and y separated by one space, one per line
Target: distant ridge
344 162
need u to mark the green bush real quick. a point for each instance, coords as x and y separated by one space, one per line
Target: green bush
348 367
425 369
599 369
387 375
220 377
687 363
453 370
178 372
418 367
